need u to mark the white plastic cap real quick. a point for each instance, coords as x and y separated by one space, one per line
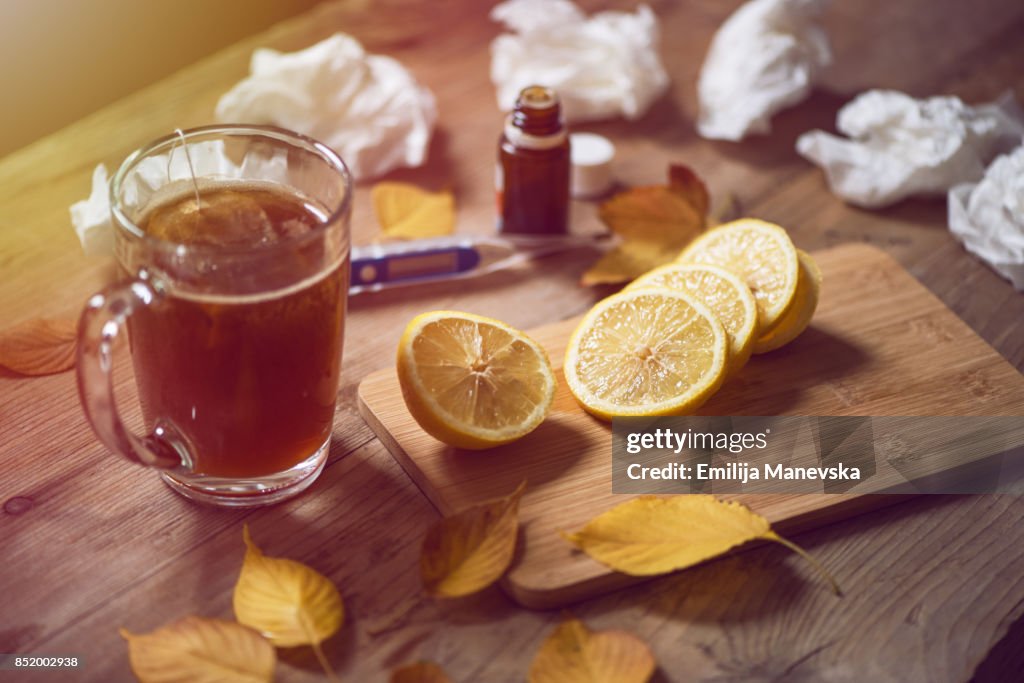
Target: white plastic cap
592 156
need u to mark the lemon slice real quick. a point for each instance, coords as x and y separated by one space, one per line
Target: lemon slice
473 382
646 352
722 292
761 254
798 317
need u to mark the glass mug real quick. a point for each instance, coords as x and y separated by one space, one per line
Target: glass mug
235 240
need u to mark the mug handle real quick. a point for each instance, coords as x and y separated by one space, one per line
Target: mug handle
102 320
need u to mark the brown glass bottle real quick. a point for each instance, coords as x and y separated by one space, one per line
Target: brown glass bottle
532 178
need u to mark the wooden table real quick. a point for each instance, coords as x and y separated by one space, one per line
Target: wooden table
934 587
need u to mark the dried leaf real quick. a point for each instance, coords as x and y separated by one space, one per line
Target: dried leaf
198 650
656 214
405 211
628 261
420 672
727 209
470 550
288 602
575 654
688 184
654 222
41 346
651 535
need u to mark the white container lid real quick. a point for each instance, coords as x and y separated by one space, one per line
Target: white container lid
591 156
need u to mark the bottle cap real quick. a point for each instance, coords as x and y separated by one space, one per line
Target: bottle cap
592 156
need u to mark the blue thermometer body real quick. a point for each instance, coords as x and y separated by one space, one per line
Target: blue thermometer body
394 264
378 267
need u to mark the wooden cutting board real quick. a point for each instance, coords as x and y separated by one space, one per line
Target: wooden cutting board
880 344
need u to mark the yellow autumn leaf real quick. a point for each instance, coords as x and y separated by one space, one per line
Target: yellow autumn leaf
41 346
653 223
685 183
405 211
288 602
728 209
420 672
628 261
673 213
198 650
650 535
655 214
575 654
470 550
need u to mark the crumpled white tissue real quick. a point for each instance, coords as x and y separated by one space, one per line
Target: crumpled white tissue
368 108
91 217
602 67
205 158
764 58
900 146
988 217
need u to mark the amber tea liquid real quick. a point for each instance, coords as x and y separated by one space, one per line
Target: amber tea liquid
250 380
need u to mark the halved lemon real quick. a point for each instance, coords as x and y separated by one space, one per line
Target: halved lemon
761 254
727 296
646 352
805 301
471 381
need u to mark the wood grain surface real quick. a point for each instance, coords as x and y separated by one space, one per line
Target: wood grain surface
92 543
862 355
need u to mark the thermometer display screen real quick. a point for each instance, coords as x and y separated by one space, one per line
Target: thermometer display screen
422 265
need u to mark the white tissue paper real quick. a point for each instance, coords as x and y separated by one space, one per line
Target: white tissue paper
764 58
207 158
900 146
988 217
368 108
91 217
602 67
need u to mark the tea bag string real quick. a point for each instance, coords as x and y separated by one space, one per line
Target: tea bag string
188 160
